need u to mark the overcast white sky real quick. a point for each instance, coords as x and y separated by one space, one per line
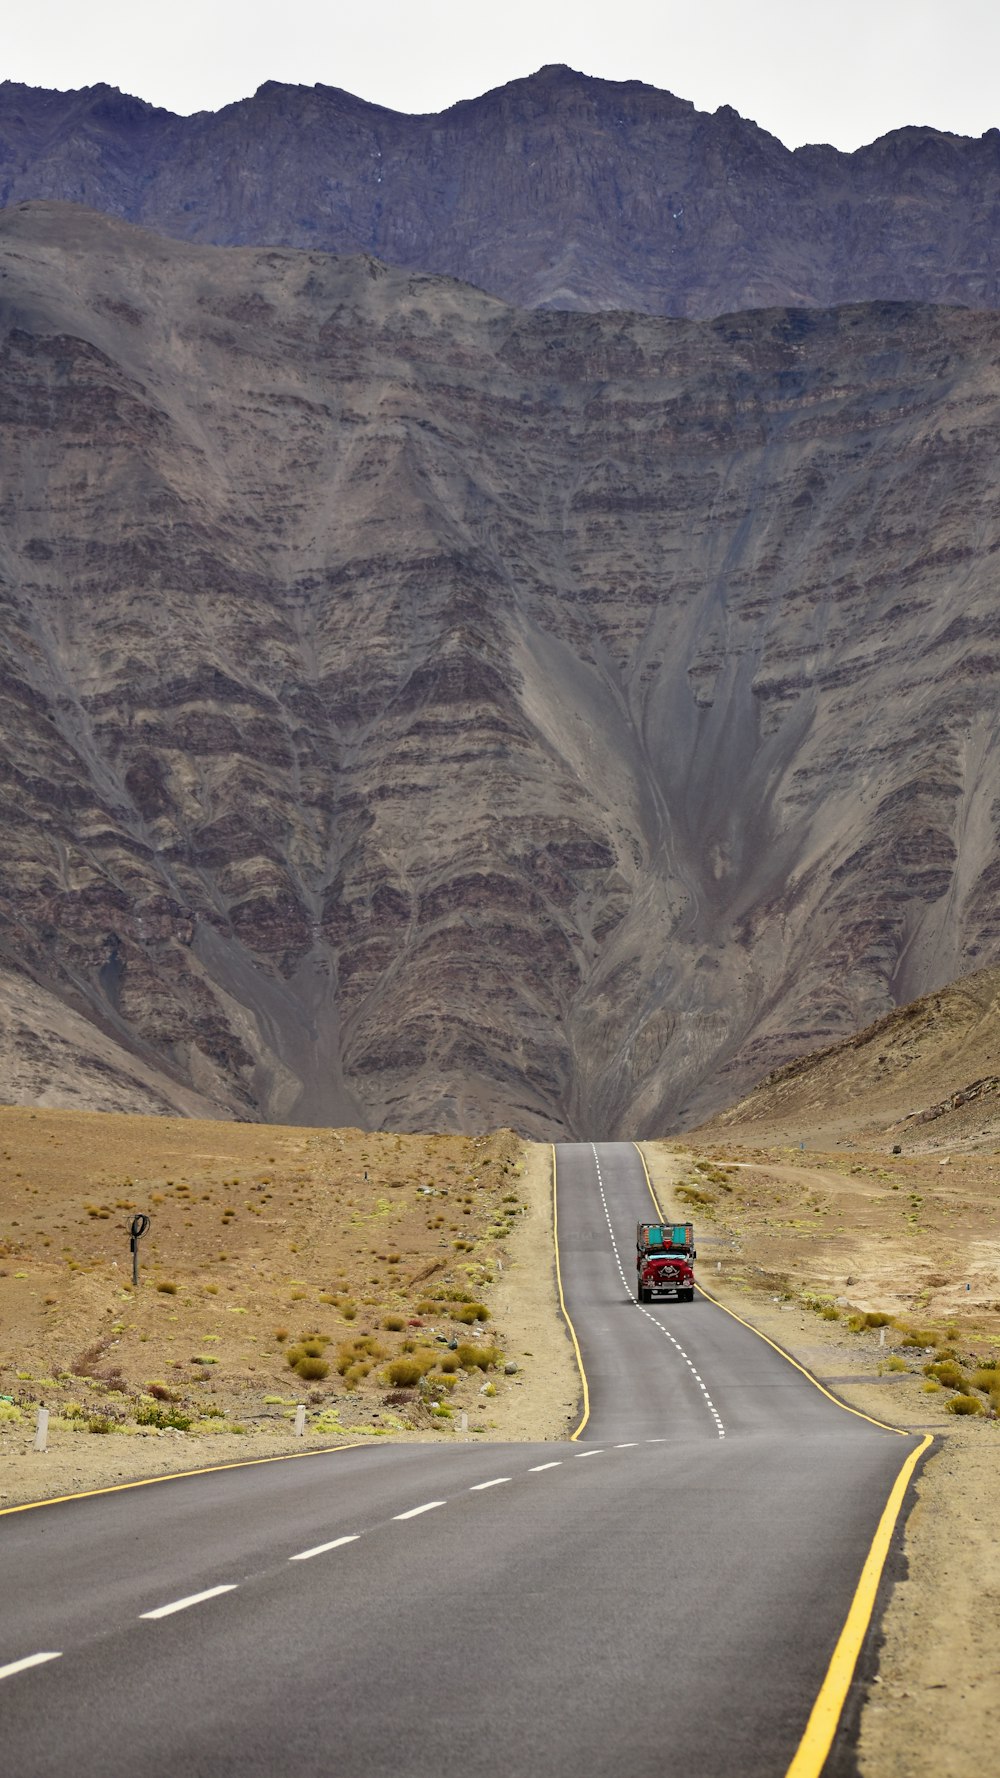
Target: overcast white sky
841 71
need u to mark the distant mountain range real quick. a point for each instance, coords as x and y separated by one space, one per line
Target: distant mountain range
420 711
555 191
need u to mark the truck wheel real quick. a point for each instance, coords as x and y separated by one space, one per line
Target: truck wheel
640 1294
689 1296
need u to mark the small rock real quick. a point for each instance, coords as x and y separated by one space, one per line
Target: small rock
509 1368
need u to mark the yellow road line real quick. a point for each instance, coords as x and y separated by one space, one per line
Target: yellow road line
179 1475
843 1405
815 1744
562 1303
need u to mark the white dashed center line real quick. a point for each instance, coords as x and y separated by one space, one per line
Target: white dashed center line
536 1468
321 1548
415 1511
192 1599
477 1487
709 1403
590 1453
13 1667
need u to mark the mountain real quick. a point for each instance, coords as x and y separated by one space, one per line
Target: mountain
926 1075
555 191
421 712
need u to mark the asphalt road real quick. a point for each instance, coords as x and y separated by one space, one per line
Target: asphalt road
662 1596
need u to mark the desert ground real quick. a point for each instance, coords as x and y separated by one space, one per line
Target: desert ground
343 1271
389 1284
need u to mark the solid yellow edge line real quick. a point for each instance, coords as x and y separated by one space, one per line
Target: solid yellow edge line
179 1475
882 1425
815 1744
562 1302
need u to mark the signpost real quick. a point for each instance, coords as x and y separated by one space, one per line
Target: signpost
138 1228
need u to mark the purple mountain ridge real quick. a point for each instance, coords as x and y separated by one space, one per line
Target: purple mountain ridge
555 191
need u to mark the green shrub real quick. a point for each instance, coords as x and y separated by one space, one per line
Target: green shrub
163 1418
100 1423
829 1312
895 1363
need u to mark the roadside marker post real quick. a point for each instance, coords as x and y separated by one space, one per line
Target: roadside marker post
137 1229
300 1420
42 1430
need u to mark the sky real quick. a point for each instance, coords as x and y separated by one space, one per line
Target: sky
840 71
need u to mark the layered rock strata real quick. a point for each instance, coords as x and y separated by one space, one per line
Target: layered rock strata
421 712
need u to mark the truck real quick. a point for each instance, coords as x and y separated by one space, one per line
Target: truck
664 1257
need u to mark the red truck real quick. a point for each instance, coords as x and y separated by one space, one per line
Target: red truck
664 1259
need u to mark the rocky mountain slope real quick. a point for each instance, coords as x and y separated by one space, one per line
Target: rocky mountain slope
420 712
557 190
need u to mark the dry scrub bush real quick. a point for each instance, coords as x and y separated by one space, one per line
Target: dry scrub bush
166 1288
964 1404
478 1357
403 1373
470 1312
949 1373
394 1323
311 1367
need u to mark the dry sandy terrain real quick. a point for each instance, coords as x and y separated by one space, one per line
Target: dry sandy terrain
262 1237
870 1233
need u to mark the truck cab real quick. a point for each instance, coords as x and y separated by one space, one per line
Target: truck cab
664 1256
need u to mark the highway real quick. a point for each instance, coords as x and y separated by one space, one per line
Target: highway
661 1595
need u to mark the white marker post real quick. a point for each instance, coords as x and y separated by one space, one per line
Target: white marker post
300 1421
42 1430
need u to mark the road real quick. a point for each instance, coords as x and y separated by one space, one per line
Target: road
662 1595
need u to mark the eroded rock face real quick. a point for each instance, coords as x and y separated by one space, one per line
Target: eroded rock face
417 711
554 191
